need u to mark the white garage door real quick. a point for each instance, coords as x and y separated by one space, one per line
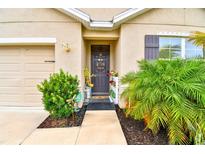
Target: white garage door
21 69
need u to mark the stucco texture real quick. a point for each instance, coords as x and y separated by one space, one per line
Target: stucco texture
153 22
127 42
46 23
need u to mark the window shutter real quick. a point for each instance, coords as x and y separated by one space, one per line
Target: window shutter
151 47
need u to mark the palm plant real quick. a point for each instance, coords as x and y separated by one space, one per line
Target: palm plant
198 38
172 95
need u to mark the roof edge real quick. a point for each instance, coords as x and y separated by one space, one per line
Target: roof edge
85 19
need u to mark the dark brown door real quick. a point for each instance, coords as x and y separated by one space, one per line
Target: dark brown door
100 65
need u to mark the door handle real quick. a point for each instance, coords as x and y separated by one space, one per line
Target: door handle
49 61
94 75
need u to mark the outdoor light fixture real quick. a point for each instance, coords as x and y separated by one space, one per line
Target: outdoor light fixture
66 47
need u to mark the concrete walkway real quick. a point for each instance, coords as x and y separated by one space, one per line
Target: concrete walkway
101 127
58 136
98 127
18 124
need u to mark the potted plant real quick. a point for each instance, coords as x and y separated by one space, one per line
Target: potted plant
88 83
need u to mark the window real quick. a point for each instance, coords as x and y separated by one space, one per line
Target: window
193 51
169 47
176 47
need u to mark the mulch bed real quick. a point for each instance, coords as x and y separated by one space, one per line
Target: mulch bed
135 134
72 121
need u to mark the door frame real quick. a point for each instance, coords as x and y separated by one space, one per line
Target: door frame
109 54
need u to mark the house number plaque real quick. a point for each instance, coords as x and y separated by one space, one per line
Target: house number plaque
100 64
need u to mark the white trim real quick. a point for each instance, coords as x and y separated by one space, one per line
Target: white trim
183 49
28 41
124 16
75 13
101 24
182 34
92 24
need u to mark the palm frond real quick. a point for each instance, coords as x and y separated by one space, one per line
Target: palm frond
172 94
198 38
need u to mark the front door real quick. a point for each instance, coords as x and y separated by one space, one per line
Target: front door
100 65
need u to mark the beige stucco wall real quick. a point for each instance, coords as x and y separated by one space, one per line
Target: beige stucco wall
32 15
152 22
117 55
83 59
47 23
127 42
100 35
103 14
133 32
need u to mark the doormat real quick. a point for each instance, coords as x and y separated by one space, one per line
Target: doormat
101 106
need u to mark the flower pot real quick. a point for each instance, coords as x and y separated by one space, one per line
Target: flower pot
88 92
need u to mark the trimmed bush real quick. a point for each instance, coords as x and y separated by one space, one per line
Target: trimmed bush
59 92
169 94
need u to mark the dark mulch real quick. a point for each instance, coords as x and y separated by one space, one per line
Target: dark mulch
72 121
135 134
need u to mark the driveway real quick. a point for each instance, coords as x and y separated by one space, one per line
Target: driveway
16 124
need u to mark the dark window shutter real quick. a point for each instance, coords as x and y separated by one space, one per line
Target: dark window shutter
151 47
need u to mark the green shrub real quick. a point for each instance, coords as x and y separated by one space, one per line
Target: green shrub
170 94
57 91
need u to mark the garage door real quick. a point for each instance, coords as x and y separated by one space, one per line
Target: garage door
21 69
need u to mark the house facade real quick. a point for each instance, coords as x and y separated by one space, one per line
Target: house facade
37 42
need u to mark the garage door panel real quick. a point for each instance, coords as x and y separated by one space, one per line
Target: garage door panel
12 98
10 75
32 90
43 75
9 59
37 59
10 90
21 69
11 82
38 67
34 99
7 51
39 51
10 67
32 82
